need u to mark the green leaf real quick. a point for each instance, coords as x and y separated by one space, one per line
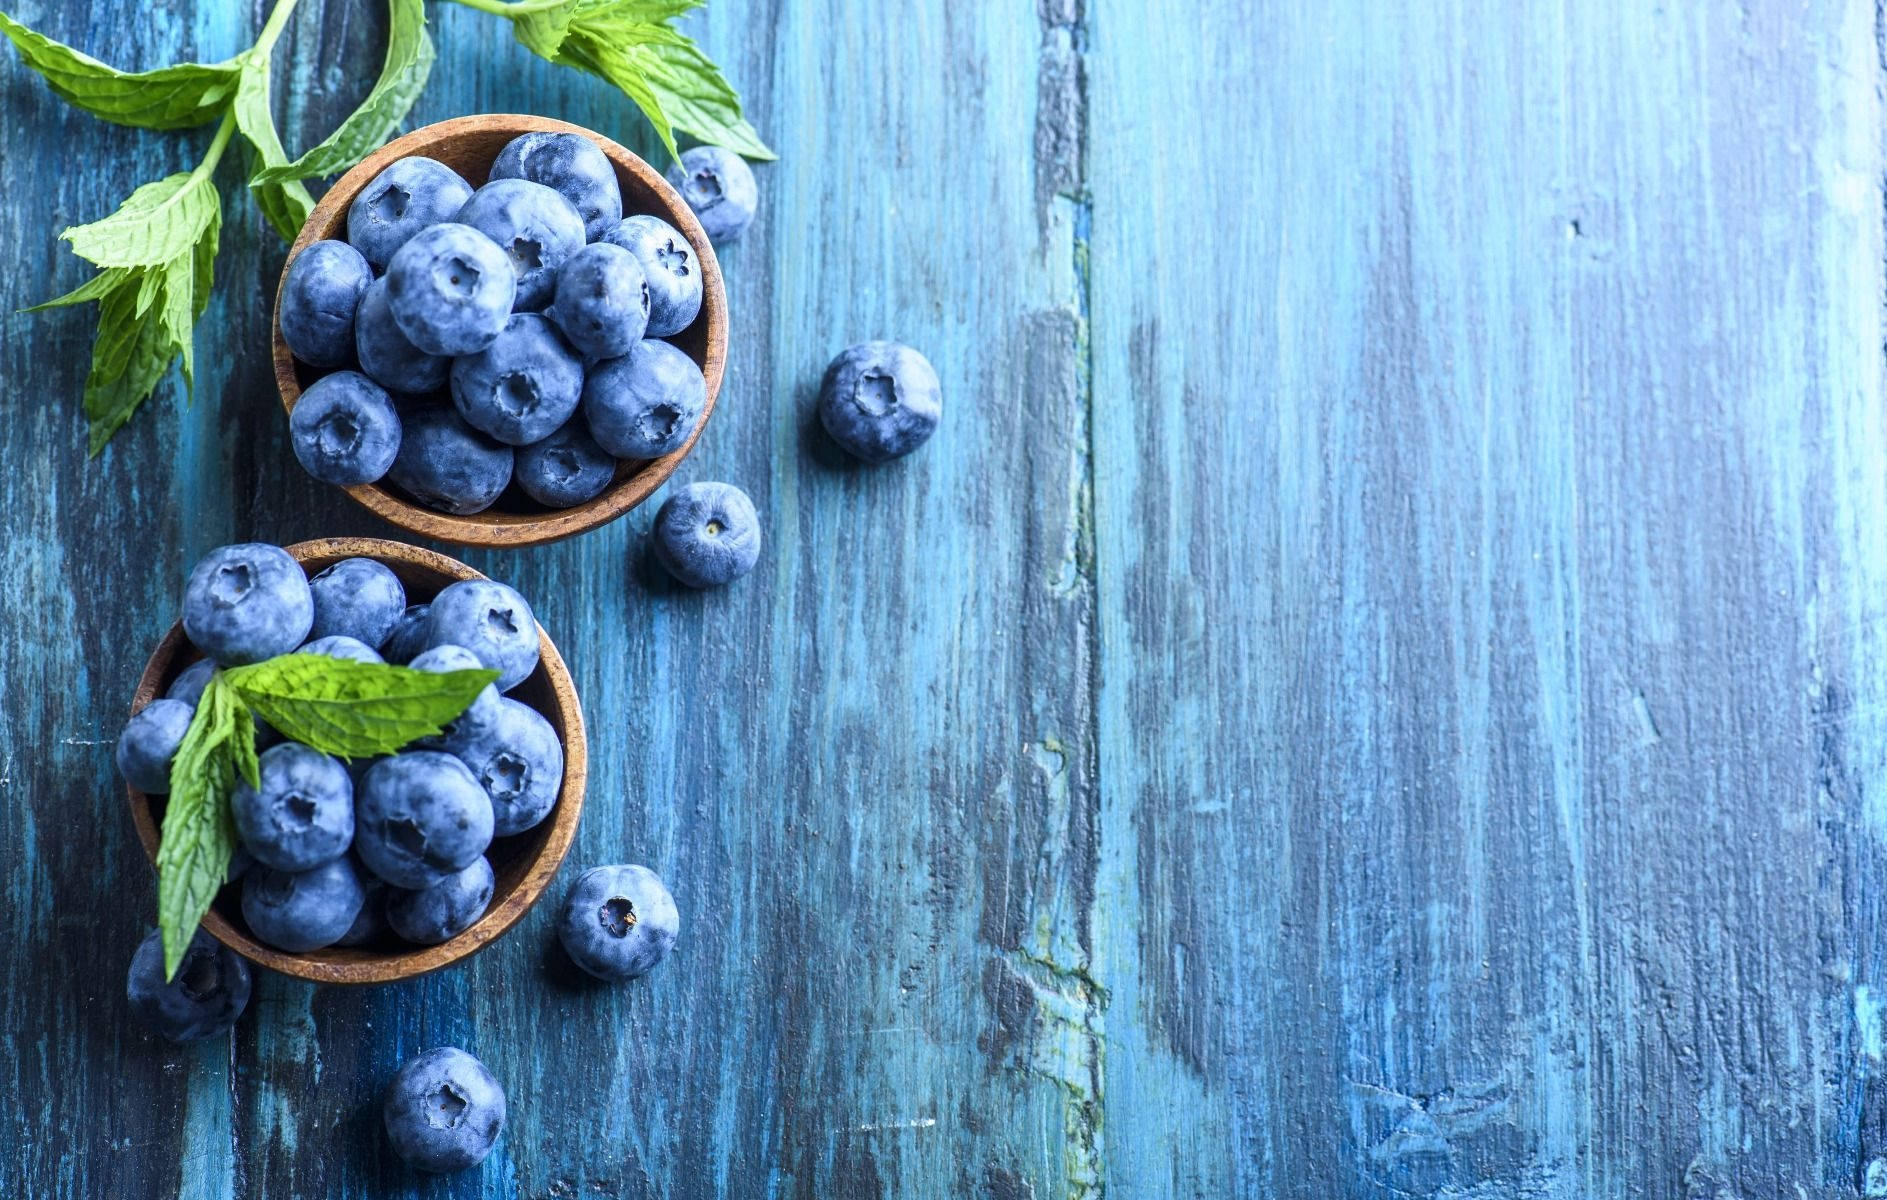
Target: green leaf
614 64
284 202
178 97
543 32
198 835
403 76
155 224
95 288
698 98
353 709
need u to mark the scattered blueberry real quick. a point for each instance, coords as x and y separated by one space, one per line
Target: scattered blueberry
370 924
357 597
444 1111
446 464
410 635
209 992
707 534
408 196
880 400
602 301
420 816
618 922
646 403
444 910
523 386
575 167
450 289
566 468
669 263
344 429
190 682
339 645
149 743
535 227
484 709
299 911
385 353
247 602
719 185
515 755
492 621
302 815
320 294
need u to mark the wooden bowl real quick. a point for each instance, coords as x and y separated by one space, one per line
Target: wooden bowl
524 863
468 145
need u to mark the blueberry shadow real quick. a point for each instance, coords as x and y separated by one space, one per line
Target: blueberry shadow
647 572
814 439
563 974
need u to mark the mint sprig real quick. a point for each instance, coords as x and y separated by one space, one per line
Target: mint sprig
337 706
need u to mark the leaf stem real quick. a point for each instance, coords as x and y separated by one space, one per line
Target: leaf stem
272 28
214 154
515 8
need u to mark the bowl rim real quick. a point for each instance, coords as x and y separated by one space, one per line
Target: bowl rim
495 529
499 918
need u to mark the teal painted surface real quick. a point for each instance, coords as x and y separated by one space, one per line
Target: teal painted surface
1379 687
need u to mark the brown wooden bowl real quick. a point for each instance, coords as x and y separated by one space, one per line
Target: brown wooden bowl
469 145
524 863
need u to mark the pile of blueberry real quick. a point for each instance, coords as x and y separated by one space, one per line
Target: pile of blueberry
512 333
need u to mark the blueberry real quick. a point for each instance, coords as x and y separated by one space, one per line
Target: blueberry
492 621
566 468
302 815
646 403
523 386
450 289
707 534
247 602
386 354
410 635
443 1111
209 992
516 756
240 861
446 464
190 682
669 263
357 597
601 302
299 911
320 294
575 167
444 910
344 429
339 645
149 743
420 816
535 227
880 400
484 708
618 922
719 185
370 924
408 196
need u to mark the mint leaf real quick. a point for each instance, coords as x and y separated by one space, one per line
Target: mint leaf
354 709
698 98
284 202
154 225
176 97
198 835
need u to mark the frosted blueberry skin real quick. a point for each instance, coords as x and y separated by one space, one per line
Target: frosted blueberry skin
601 302
444 910
446 464
344 429
410 634
536 229
190 682
357 598
386 355
299 911
880 400
523 386
565 469
516 757
707 534
450 289
408 196
618 922
492 621
419 816
443 1111
339 645
646 403
247 602
205 999
370 924
719 185
320 294
670 266
571 165
302 815
149 744
483 709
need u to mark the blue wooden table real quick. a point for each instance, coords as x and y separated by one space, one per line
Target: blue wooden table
1377 689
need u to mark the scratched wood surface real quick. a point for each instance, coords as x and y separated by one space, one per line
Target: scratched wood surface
1379 687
